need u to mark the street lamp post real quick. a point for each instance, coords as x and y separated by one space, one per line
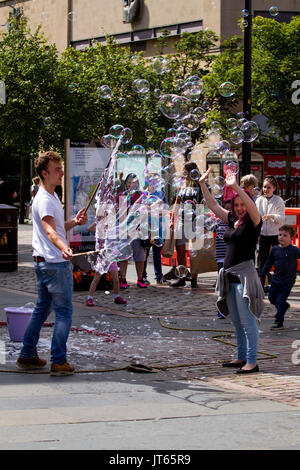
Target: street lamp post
246 158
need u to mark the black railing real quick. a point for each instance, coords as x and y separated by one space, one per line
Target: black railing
294 199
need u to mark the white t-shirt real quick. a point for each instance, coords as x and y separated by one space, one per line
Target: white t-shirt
45 204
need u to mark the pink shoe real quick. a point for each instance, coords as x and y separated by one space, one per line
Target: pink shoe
123 284
120 300
141 283
89 303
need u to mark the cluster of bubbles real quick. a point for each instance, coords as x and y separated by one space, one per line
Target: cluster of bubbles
273 11
163 171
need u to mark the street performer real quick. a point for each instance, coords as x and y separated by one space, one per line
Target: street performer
52 257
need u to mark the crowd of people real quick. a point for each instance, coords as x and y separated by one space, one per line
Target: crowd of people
251 237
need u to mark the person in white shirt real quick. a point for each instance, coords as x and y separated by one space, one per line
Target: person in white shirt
272 209
53 268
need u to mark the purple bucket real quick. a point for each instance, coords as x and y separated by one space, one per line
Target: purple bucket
17 321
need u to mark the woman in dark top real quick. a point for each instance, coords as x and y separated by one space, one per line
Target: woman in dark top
244 225
190 194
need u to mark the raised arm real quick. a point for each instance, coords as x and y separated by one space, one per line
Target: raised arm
212 204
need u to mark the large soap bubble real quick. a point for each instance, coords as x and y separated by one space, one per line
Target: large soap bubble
126 135
141 85
250 130
174 106
116 130
160 65
274 11
193 89
108 141
105 92
190 122
227 89
172 146
231 124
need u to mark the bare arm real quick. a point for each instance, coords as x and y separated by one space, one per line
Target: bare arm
212 204
80 219
50 229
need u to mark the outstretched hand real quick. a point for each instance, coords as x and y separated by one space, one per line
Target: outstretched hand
81 217
205 175
230 178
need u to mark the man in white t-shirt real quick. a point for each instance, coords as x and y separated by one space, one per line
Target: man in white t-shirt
53 268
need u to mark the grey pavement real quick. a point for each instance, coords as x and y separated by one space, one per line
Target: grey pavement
190 403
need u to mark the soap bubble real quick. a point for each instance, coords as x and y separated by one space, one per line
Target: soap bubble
210 222
160 65
213 139
122 102
241 122
141 86
116 130
193 89
181 271
172 146
231 124
231 166
199 112
274 11
240 115
195 174
144 95
72 16
216 191
157 93
149 133
47 121
250 130
193 79
223 146
108 141
245 13
180 83
190 122
105 92
126 135
227 89
72 88
245 23
216 126
208 241
138 149
171 132
174 106
220 181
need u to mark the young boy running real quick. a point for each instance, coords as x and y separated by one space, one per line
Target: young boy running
284 259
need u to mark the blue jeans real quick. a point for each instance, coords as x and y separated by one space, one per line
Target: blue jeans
55 290
244 322
278 295
156 256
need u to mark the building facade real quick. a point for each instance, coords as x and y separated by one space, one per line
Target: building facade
135 23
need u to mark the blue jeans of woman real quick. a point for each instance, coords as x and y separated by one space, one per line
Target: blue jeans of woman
55 290
245 324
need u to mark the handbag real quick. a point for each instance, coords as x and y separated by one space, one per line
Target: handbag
169 245
204 260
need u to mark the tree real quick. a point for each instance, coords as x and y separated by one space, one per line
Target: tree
28 67
275 64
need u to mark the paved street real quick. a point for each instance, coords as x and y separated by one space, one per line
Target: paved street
189 402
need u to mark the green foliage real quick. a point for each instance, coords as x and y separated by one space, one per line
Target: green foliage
275 65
